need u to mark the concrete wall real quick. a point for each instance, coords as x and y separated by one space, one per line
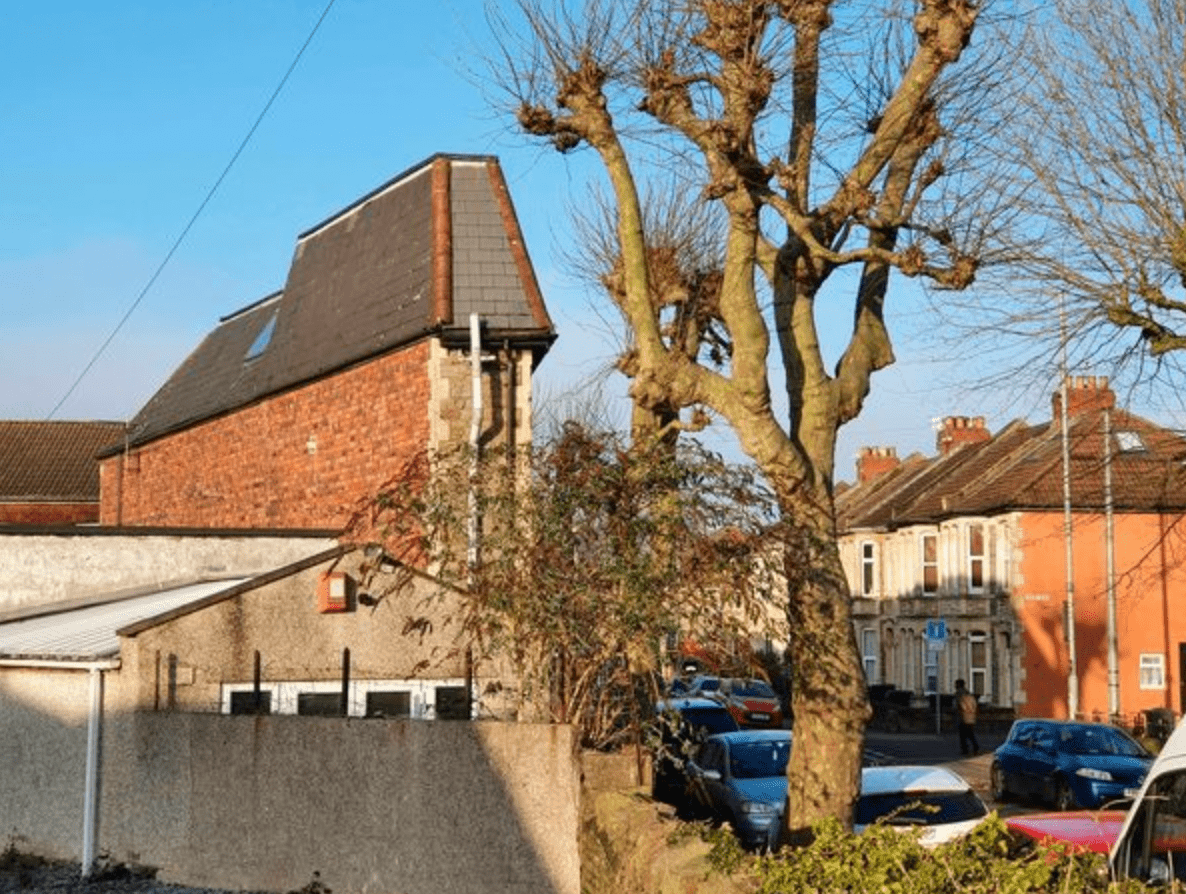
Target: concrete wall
38 568
185 661
42 759
371 805
262 803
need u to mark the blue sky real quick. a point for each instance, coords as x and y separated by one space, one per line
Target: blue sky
116 119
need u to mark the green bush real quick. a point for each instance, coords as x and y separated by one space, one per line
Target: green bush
884 860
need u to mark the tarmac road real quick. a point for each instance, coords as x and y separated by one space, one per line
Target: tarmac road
943 749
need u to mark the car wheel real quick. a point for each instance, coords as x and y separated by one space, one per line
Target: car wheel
1000 791
1063 797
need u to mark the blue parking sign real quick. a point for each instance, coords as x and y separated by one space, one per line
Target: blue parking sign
937 629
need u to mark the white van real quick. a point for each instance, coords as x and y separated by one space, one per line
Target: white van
1152 841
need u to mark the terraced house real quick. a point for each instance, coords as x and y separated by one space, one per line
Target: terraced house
976 537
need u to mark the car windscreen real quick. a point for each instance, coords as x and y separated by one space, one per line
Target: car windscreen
752 689
706 721
1098 740
758 760
918 808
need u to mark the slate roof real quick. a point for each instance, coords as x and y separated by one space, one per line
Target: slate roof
1020 468
53 462
413 258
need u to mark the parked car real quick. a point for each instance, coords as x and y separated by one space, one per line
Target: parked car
938 802
753 703
680 725
1148 841
705 685
741 778
1068 764
1088 830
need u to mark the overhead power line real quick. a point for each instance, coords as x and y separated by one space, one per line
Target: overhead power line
194 218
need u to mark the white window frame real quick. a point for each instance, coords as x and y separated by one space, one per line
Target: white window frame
285 693
977 561
271 688
868 568
1151 670
978 681
930 669
923 539
869 654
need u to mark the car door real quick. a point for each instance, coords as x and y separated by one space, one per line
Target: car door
704 777
1012 758
1040 760
1026 765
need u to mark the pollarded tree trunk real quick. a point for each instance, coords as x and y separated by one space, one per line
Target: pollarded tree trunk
828 693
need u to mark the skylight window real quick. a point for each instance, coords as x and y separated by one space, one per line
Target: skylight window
1130 441
262 340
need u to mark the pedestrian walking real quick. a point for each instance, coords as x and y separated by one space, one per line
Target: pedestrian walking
965 716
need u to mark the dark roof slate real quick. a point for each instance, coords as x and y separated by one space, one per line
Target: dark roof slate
413 258
1021 469
53 462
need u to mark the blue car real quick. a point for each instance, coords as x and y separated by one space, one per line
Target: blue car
680 725
741 777
1069 764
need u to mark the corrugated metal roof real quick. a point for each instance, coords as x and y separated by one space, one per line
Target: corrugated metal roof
88 633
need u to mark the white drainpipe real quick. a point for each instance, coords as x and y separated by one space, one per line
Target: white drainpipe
475 434
90 801
94 729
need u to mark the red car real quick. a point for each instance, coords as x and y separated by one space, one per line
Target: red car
1088 830
751 702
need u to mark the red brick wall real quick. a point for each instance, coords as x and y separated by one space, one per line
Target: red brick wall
299 459
48 513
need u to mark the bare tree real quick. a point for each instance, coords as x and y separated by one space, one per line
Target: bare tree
826 138
1100 142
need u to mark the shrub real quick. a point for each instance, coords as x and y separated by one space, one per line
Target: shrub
884 860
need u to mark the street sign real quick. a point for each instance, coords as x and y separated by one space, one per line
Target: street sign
936 635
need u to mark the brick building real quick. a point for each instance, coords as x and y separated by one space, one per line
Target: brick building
302 403
975 537
48 471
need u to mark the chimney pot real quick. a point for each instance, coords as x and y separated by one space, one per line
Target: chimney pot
959 430
875 461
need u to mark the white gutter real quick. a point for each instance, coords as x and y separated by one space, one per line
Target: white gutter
101 664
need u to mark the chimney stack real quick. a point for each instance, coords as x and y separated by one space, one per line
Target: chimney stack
875 461
1083 393
956 431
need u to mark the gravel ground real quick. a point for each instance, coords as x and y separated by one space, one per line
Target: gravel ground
20 874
